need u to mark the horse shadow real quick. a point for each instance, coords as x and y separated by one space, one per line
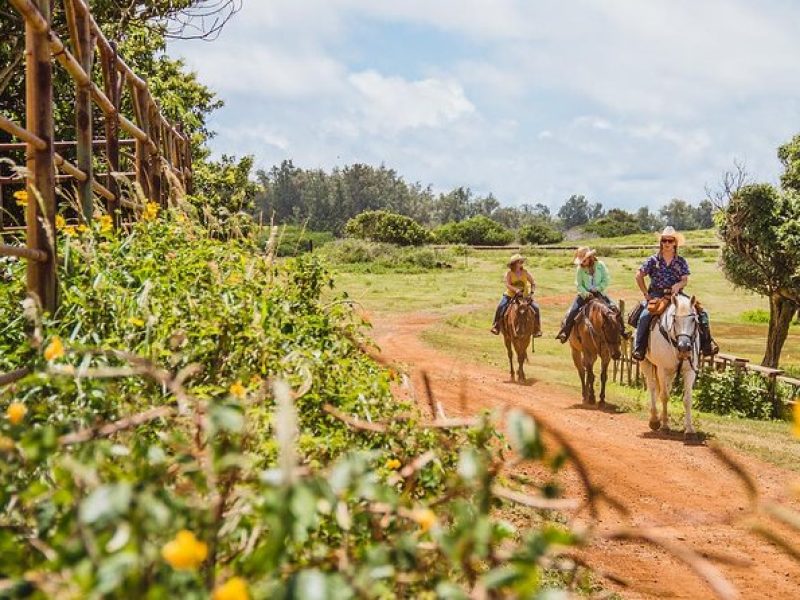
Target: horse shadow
674 435
609 407
527 383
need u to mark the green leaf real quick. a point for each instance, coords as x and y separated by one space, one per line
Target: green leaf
106 502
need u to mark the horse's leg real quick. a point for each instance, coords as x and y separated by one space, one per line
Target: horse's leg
604 359
522 353
666 377
689 376
651 378
507 340
588 365
577 359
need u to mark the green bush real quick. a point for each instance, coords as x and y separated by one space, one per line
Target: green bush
539 233
614 224
294 240
382 226
757 315
476 231
733 392
374 256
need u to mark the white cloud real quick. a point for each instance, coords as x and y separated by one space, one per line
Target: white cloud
627 101
392 104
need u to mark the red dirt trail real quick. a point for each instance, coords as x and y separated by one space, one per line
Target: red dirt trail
682 491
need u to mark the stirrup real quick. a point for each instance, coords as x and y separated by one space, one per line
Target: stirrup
495 330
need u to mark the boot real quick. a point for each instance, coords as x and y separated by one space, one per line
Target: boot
563 334
707 344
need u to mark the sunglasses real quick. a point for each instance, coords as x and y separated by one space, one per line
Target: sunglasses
668 240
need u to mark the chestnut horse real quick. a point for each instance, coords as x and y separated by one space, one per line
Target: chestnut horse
520 322
597 332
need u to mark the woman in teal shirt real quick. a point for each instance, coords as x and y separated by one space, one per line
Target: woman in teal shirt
591 279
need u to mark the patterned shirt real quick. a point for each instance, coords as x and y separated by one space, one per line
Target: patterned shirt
663 275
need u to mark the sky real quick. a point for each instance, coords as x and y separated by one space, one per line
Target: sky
629 102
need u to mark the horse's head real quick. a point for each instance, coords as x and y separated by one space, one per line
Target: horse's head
608 320
684 324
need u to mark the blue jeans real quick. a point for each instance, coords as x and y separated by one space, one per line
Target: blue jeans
643 327
501 309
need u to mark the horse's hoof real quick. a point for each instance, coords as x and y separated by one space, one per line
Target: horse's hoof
655 424
602 402
664 428
690 437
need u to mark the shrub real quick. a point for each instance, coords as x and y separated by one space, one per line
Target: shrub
374 256
382 226
733 392
615 223
539 233
476 231
756 315
294 240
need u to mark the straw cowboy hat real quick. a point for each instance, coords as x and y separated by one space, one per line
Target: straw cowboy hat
582 253
669 232
515 258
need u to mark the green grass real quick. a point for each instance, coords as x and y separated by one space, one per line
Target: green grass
466 296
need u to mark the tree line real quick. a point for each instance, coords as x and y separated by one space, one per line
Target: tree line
326 201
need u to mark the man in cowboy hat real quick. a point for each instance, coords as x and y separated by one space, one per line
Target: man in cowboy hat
669 273
591 279
517 281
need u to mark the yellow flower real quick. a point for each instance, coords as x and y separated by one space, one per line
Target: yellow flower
69 230
424 517
796 415
21 197
135 321
106 223
54 350
61 222
6 444
234 279
393 464
15 412
233 589
150 211
238 390
185 552
82 228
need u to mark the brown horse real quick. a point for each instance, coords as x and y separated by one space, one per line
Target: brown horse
597 332
520 322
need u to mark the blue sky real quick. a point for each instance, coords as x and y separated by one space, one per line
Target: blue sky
629 102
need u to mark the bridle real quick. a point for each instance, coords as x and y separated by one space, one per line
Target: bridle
673 335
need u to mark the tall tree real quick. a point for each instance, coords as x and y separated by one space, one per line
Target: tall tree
679 213
575 211
760 228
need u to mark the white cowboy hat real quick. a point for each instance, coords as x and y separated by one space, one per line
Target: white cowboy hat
669 232
515 258
582 253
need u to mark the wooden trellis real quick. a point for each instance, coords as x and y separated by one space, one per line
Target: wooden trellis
162 151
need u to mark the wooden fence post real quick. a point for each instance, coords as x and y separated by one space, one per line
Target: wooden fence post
142 166
83 43
41 275
113 90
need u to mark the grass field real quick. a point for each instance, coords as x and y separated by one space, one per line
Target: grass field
465 297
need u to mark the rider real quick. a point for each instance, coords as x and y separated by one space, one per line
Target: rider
518 281
591 279
668 272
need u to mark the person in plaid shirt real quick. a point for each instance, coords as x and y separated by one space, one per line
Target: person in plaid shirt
669 273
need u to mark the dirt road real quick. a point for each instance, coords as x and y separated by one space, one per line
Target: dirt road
683 491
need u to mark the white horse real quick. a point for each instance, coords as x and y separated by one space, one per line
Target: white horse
674 346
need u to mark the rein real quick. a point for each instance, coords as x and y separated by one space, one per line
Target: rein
672 336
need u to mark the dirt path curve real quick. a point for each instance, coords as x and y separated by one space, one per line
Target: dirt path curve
682 490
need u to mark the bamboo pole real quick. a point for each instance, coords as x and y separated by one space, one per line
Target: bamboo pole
41 275
28 137
84 45
113 91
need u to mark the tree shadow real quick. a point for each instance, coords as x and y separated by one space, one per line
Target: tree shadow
609 407
674 435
